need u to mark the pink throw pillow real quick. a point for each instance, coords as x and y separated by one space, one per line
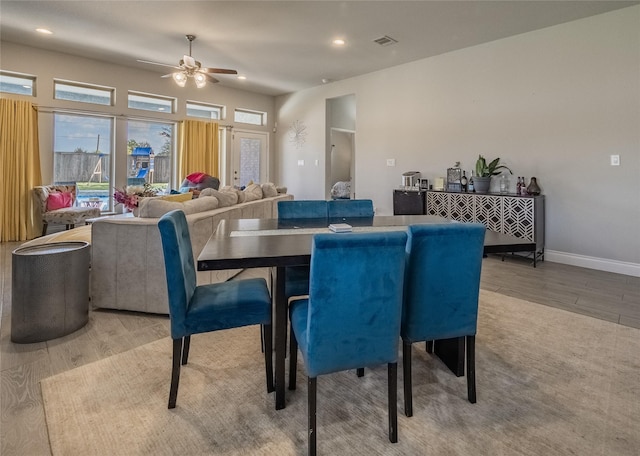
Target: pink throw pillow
59 200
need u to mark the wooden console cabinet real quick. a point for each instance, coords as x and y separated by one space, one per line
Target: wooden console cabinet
520 216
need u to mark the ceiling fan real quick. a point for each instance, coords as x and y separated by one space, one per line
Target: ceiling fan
191 68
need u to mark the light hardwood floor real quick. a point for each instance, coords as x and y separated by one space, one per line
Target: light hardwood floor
23 430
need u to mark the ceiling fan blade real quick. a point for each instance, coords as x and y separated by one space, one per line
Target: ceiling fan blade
211 78
158 63
218 70
167 75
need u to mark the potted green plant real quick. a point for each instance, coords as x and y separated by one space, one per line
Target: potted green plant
485 171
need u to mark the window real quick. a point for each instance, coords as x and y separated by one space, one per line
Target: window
250 117
82 151
149 102
204 110
83 93
21 84
149 153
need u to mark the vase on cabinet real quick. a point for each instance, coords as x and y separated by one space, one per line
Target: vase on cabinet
482 184
533 188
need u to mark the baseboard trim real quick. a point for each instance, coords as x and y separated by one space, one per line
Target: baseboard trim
601 264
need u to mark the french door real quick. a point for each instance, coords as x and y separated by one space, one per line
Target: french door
249 157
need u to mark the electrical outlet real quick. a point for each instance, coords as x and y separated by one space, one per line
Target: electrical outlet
317 162
615 160
391 162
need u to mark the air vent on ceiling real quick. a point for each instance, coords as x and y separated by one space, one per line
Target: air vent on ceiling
385 41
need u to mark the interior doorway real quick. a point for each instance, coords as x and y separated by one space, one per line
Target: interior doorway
340 152
341 172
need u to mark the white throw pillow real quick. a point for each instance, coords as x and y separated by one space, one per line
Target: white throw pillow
253 192
269 190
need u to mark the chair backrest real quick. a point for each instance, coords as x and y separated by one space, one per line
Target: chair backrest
355 300
442 281
297 209
42 192
350 208
179 266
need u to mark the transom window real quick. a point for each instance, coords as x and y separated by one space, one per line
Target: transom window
204 110
250 117
83 93
150 102
21 84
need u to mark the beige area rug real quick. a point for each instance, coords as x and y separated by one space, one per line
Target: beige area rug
549 383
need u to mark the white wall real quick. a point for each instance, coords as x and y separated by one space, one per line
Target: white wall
553 103
48 65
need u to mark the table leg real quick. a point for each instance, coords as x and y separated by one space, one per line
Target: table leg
451 352
280 302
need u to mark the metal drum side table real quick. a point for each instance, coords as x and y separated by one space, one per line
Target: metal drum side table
50 291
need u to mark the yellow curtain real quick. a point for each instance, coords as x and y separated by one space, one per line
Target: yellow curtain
19 170
198 148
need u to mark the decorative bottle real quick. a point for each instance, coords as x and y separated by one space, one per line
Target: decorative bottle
470 187
464 182
532 188
519 186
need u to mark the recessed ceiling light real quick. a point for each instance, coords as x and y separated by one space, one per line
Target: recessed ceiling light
242 76
339 42
44 31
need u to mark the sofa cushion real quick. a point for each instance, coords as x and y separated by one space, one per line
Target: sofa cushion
208 203
225 199
241 195
156 207
253 192
269 190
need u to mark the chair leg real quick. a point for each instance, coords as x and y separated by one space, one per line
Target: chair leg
393 401
185 349
262 338
429 346
360 372
406 373
175 372
44 228
293 359
471 369
311 403
268 355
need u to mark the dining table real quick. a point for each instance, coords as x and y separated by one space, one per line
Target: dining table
278 244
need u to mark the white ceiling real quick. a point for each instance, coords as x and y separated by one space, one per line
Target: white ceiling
280 46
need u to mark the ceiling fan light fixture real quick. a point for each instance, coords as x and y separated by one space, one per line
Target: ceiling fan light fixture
200 79
180 78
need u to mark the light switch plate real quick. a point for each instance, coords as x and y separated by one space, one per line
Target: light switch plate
615 160
300 162
391 162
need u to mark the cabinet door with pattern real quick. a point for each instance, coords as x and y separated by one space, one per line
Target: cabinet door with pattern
461 207
438 204
518 217
488 211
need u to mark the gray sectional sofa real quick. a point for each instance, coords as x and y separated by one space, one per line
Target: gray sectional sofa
127 265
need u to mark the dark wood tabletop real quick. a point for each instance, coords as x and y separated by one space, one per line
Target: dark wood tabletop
226 251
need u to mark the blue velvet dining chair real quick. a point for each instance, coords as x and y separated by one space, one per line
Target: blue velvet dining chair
297 277
442 285
198 309
352 316
350 208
